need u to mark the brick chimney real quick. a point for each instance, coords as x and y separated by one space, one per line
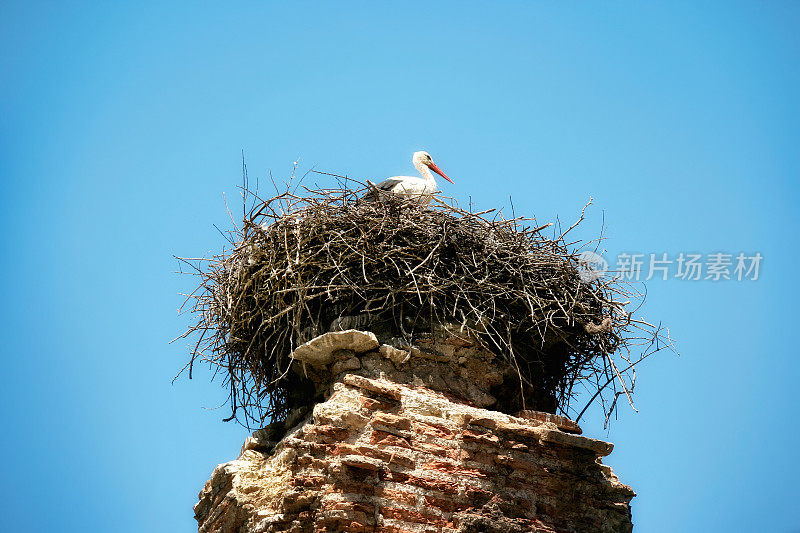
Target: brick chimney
413 440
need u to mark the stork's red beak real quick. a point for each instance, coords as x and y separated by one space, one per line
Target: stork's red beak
436 169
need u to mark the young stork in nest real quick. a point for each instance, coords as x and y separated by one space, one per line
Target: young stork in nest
420 189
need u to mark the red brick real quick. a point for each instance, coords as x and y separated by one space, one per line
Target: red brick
348 506
326 434
481 438
448 468
433 484
476 473
391 475
407 515
445 505
441 466
387 439
344 449
376 405
433 430
435 449
394 421
408 498
489 423
389 457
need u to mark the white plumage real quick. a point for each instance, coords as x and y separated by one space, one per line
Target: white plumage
421 189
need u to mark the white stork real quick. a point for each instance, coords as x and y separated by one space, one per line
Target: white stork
410 186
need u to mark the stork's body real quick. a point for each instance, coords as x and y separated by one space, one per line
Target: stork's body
412 187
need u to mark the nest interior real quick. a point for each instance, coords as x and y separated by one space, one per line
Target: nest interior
300 264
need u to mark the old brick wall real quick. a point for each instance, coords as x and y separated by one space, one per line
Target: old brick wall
388 455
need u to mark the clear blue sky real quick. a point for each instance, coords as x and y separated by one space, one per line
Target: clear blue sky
122 127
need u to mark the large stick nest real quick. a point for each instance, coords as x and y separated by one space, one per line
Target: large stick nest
299 264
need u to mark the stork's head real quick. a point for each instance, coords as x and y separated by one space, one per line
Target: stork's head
424 158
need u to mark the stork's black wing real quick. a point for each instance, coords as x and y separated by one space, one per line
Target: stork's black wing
385 186
388 185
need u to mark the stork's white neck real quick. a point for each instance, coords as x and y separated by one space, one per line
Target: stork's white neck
425 171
